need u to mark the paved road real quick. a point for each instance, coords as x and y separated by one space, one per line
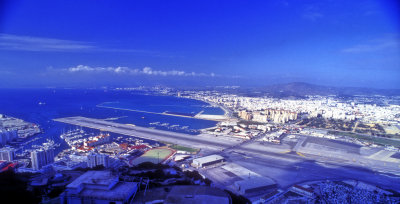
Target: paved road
269 160
287 172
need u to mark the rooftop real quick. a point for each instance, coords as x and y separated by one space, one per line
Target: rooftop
254 182
185 194
121 191
303 188
94 177
207 159
101 185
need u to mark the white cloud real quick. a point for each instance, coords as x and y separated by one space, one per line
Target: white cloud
39 44
130 71
375 45
28 43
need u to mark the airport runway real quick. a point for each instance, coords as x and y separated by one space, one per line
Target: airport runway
279 162
288 172
196 141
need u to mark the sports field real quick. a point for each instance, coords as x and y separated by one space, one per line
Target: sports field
156 155
181 148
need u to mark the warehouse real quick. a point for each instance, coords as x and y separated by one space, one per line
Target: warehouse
207 161
255 185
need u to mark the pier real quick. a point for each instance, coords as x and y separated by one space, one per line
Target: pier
203 141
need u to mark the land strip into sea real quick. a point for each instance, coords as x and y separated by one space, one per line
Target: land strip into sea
41 106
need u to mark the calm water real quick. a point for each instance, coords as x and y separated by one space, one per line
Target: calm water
24 104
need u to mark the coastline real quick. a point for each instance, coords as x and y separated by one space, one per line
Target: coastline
227 113
149 112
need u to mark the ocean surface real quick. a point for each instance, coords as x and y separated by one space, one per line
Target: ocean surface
41 106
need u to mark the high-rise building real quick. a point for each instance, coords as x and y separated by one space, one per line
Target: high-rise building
41 158
49 155
38 159
7 136
14 134
7 154
91 160
102 159
94 160
3 138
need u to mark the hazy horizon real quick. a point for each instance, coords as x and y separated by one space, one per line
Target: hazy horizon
199 43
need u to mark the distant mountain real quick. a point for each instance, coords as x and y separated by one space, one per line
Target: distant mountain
301 89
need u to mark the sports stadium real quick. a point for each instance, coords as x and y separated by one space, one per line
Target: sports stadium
155 155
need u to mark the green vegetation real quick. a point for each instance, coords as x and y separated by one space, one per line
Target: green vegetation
319 122
157 174
156 155
345 125
183 148
372 139
392 131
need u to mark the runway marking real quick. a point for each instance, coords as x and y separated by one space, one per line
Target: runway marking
300 154
284 152
142 132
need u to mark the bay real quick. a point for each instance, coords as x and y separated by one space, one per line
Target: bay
41 106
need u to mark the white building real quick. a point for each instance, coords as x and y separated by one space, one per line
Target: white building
42 157
7 154
94 160
98 187
7 136
38 159
207 161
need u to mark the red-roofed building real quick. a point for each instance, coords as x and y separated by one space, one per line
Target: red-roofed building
4 165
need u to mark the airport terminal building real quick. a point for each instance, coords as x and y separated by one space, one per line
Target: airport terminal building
207 161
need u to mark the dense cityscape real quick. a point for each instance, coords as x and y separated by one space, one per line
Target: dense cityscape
200 102
253 143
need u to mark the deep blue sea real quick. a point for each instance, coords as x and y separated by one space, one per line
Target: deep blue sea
57 103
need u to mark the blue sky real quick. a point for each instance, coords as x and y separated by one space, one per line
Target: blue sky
192 43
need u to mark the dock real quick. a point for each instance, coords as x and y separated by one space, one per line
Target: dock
195 141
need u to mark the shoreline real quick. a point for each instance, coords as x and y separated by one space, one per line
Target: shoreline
149 112
227 114
209 117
